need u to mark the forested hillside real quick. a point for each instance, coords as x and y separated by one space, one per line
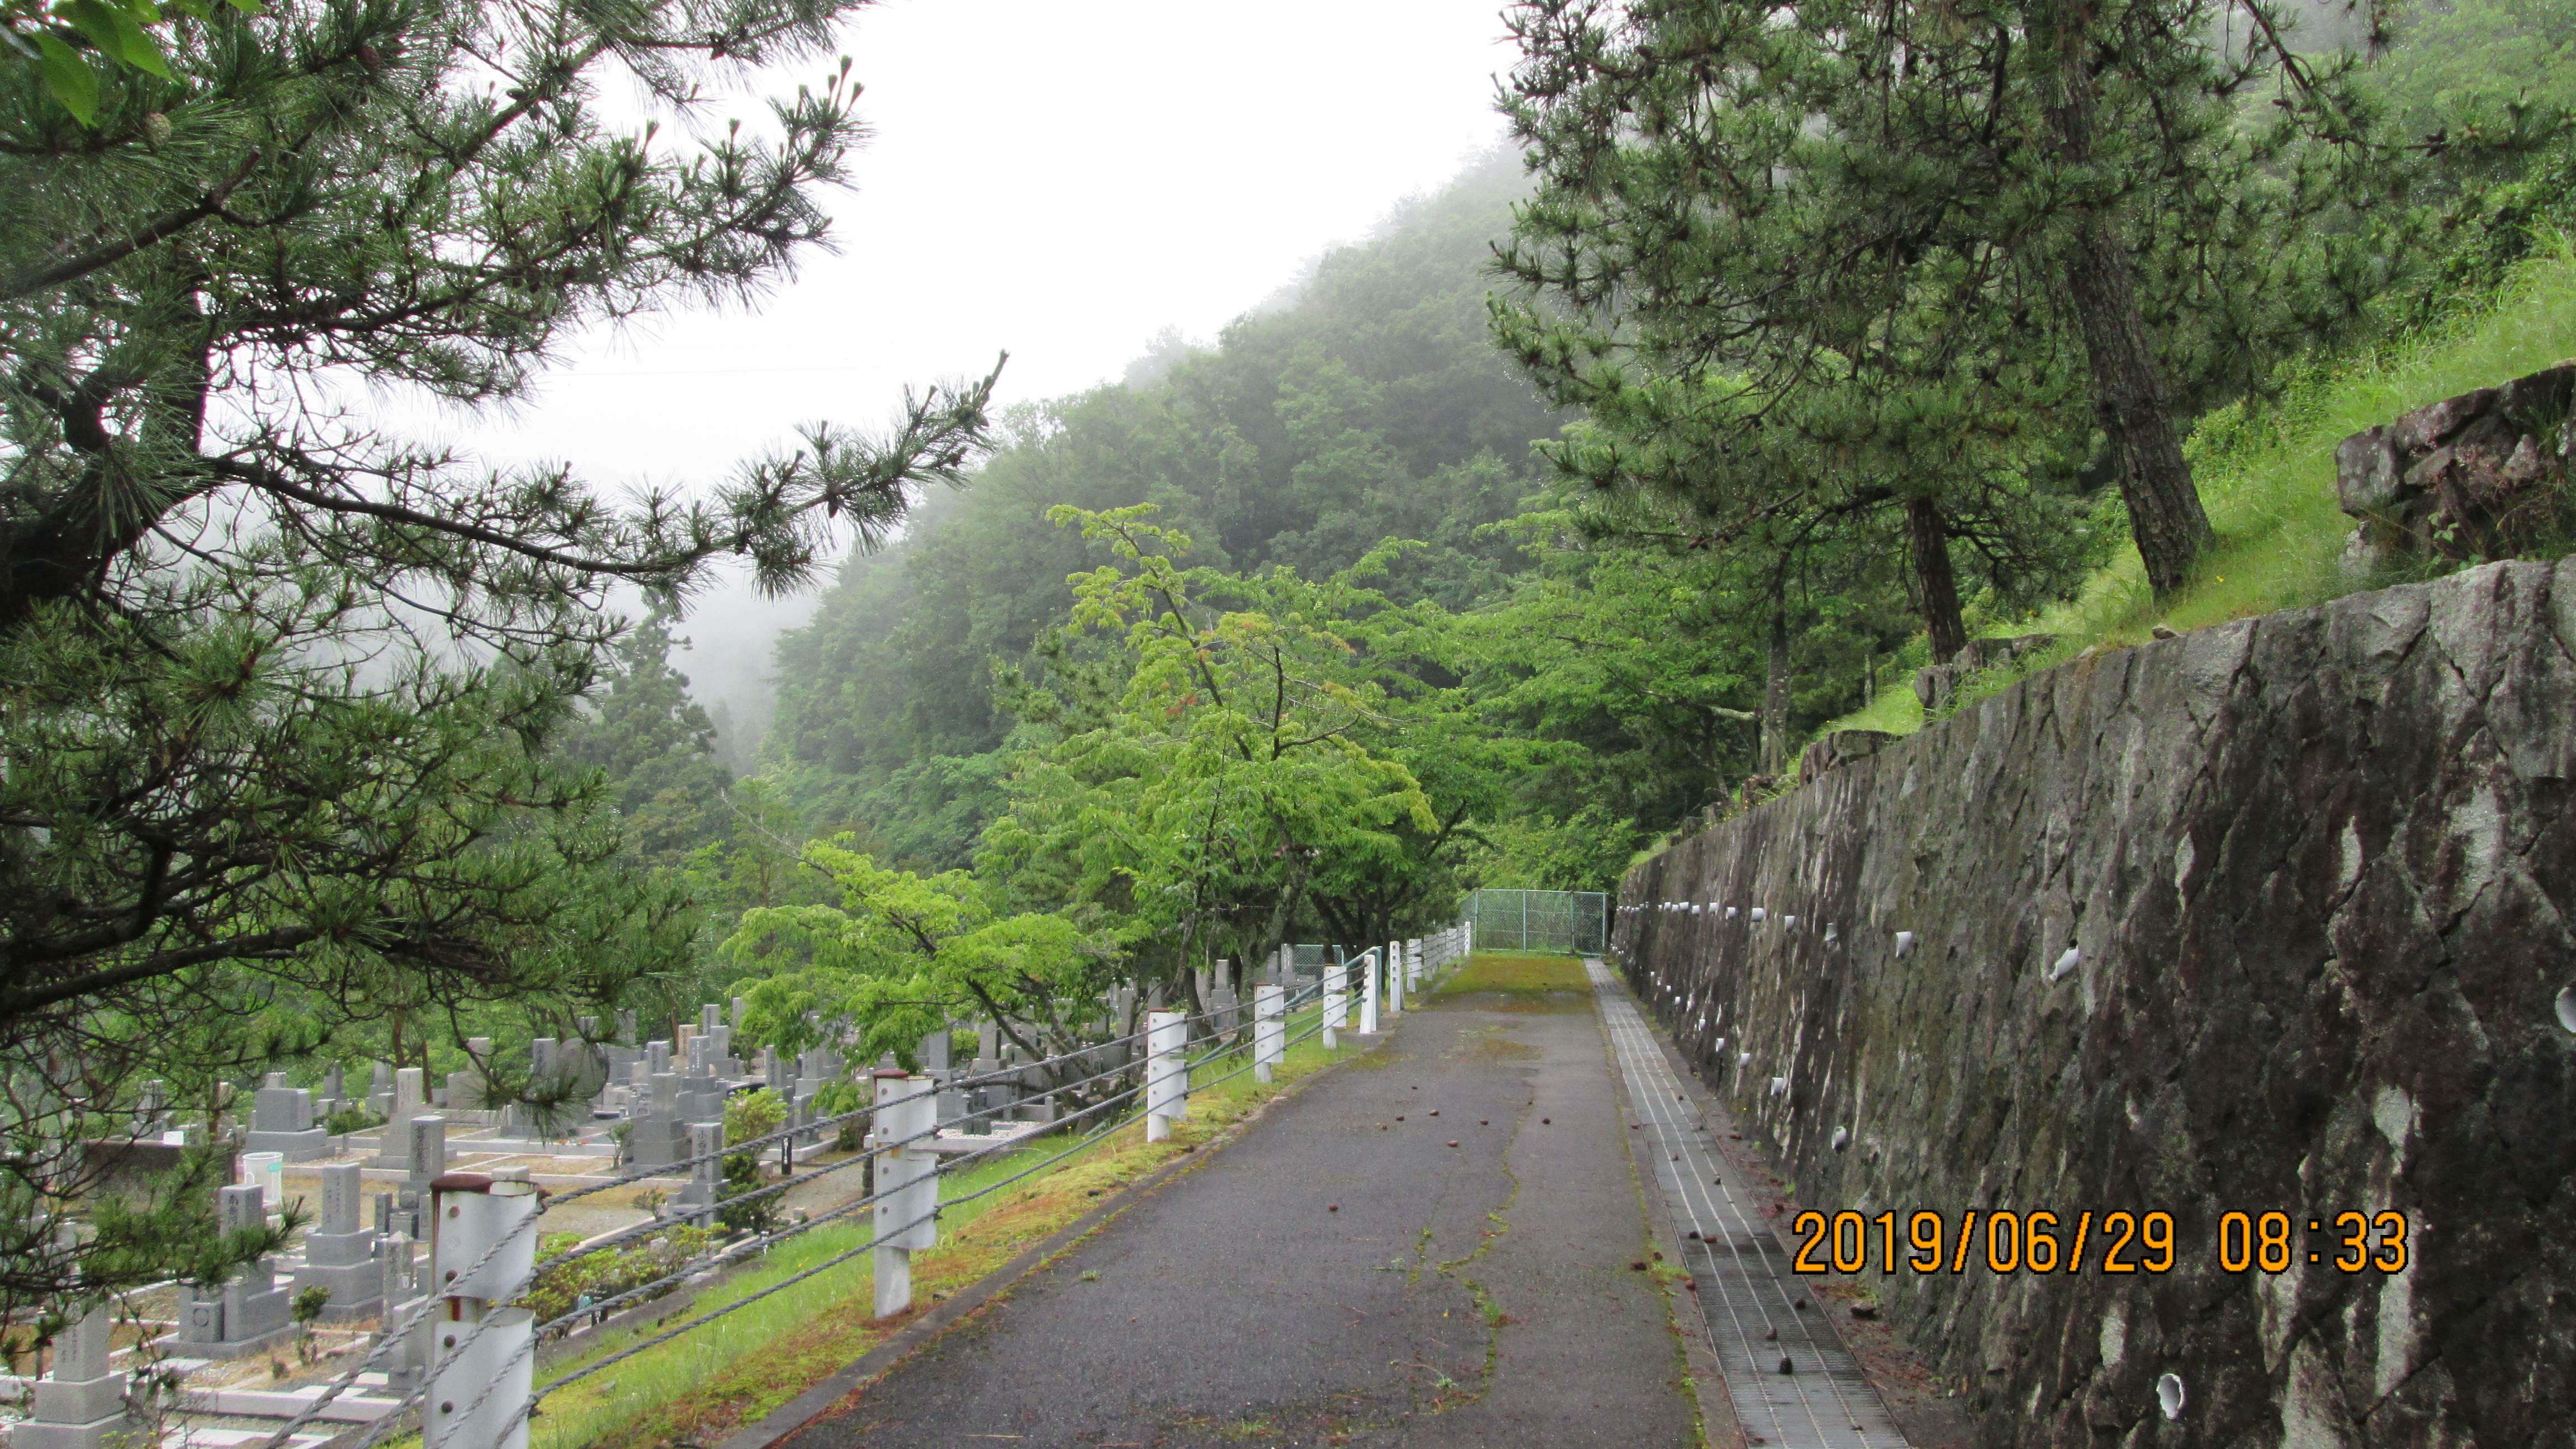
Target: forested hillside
1370 406
1672 589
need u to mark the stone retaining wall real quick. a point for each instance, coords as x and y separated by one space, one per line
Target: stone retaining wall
2272 916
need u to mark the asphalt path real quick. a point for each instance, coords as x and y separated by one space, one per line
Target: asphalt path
1436 1244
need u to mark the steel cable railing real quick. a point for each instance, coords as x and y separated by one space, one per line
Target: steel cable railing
759 1244
419 1310
884 1235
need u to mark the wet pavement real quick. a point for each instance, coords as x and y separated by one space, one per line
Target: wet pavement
1441 1243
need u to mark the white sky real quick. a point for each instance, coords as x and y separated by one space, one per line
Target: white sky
1058 178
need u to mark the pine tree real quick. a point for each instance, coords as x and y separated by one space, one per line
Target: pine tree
1943 243
281 689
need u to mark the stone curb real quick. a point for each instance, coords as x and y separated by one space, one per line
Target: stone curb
817 1402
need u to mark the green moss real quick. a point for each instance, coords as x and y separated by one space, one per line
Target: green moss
1517 973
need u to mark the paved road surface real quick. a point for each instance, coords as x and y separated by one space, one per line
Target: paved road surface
1480 1294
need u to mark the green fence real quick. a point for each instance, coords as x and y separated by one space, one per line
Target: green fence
1569 921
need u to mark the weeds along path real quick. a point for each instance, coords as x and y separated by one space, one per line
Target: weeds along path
1440 1244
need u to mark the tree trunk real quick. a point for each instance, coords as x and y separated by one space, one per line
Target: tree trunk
1775 689
2165 516
1929 540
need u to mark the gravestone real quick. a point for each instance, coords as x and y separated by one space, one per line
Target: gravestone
553 1071
380 1088
697 1201
655 1138
935 1064
410 1099
339 1250
151 1110
407 1358
248 1313
702 1093
281 1121
79 1405
425 1138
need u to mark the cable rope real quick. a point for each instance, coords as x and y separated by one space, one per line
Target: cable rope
762 1243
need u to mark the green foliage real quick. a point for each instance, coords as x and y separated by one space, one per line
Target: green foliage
1805 262
71 45
749 1116
656 749
603 1275
2476 78
836 1099
902 955
351 1119
283 690
753 1114
1368 407
1586 851
1232 753
2269 473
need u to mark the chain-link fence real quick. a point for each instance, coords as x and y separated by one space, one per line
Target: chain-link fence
1571 921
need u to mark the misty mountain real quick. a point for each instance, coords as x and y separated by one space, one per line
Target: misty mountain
1371 405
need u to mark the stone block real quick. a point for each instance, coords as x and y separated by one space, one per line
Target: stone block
77 1401
108 1433
2273 914
302 1146
1934 685
1841 747
2482 475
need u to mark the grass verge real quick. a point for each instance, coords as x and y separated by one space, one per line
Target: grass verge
703 1385
1519 973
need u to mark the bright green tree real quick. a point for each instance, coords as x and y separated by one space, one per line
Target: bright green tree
901 955
1228 752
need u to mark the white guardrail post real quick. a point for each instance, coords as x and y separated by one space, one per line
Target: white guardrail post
1413 964
1368 992
475 1391
1395 978
1337 1003
907 1182
1167 1072
1269 1030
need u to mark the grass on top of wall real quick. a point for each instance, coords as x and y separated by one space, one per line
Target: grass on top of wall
2268 481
